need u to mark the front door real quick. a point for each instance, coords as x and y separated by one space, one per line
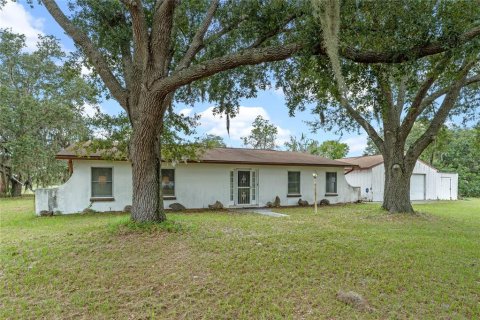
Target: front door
244 187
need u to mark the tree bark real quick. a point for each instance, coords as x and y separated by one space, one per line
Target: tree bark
147 204
396 196
3 180
16 190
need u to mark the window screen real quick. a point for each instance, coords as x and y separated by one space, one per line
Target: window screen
293 182
168 182
331 182
102 184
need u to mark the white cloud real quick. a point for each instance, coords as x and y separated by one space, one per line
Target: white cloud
283 136
186 111
240 126
276 91
13 15
85 71
356 144
89 110
279 92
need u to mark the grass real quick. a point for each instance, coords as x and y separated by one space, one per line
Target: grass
235 266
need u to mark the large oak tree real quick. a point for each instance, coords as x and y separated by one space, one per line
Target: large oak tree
150 53
42 100
386 99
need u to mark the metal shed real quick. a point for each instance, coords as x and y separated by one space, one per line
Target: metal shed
426 183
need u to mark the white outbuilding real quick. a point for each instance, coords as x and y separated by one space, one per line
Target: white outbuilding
426 183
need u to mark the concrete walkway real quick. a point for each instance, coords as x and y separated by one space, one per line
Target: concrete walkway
262 211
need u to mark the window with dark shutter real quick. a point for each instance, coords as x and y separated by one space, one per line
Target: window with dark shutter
293 183
331 180
102 183
168 183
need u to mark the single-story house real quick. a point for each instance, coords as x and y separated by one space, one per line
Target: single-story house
426 183
235 177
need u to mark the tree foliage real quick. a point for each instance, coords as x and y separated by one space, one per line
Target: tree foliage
213 141
301 144
349 94
42 99
263 135
331 149
149 54
461 154
180 143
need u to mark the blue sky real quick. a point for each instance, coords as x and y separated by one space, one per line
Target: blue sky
21 18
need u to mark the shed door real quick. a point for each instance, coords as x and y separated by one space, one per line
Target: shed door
417 187
445 192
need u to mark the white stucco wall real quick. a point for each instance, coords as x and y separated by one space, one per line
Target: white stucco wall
374 179
196 186
363 179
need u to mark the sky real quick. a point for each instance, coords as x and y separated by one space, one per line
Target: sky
270 104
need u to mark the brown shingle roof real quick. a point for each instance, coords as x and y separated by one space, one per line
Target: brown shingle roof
365 162
237 156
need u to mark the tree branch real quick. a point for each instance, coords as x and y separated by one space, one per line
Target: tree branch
402 90
416 107
161 33
216 65
223 31
372 133
448 103
408 54
273 32
95 57
140 32
197 41
389 116
437 94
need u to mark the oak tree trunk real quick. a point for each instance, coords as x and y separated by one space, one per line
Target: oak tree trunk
396 196
3 180
16 190
147 204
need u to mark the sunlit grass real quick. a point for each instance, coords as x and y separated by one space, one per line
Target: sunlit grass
227 265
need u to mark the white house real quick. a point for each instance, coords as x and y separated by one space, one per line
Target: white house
235 177
426 183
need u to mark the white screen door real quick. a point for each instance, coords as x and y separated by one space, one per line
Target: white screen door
243 187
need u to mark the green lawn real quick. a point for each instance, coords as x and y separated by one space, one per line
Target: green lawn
237 266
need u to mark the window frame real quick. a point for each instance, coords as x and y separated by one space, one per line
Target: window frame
335 192
174 196
101 198
294 194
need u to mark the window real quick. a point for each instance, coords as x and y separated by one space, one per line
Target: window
331 182
168 182
231 185
254 185
293 183
102 185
